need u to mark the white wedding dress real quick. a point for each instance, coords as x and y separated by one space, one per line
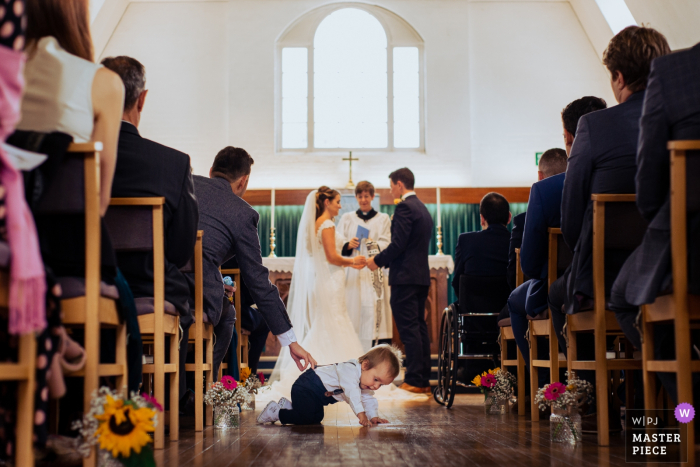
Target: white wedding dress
317 309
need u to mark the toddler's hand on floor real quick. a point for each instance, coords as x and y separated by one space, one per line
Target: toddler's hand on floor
363 419
377 420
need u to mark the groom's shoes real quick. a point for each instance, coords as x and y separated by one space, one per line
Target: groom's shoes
414 389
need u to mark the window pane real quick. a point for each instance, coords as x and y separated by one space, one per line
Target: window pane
350 81
406 98
295 86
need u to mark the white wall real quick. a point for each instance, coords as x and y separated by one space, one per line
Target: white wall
497 75
678 20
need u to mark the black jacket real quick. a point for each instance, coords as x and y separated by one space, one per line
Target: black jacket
145 169
481 253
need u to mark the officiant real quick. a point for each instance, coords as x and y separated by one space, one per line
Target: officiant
369 313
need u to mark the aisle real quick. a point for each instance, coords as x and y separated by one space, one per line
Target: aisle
421 435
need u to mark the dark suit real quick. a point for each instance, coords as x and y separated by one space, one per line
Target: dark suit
516 240
409 278
530 298
671 112
482 253
145 169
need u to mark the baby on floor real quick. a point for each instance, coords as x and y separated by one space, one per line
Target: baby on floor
353 381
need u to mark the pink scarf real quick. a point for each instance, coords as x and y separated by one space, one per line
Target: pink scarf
27 281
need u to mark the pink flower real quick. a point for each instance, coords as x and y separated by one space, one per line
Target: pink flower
152 400
229 382
488 381
554 391
261 377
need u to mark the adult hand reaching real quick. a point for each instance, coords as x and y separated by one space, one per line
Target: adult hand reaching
298 354
371 264
358 262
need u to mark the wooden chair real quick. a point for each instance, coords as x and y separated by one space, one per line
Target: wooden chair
680 307
23 372
136 224
242 338
203 340
541 326
87 302
618 225
507 335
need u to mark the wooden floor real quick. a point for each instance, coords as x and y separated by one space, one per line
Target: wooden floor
421 434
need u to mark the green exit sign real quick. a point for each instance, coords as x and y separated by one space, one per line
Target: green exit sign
537 157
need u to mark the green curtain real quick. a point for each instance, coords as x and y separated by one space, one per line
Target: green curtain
456 219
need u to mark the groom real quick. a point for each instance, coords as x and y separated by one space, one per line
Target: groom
409 277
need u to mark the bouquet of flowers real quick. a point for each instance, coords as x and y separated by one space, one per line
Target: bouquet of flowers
122 428
565 399
497 386
226 392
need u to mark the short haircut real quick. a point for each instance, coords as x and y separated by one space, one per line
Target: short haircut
631 52
232 163
133 75
553 162
384 353
577 109
495 209
405 176
364 186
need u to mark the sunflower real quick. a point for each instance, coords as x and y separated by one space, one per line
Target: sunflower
124 427
477 380
245 374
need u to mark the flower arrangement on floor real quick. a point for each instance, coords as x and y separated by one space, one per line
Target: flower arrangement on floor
565 400
225 396
253 383
497 386
121 427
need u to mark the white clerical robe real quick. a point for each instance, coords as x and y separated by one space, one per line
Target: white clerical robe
360 295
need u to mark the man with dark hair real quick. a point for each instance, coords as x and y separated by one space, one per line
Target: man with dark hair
147 169
409 277
602 160
230 228
485 252
573 112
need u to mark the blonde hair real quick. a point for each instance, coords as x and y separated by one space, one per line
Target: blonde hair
384 353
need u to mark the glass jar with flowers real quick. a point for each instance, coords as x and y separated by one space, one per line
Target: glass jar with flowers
225 396
253 384
565 401
497 386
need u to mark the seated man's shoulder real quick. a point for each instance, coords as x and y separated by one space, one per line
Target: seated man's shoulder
549 183
169 155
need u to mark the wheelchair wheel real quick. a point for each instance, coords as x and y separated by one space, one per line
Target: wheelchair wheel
448 358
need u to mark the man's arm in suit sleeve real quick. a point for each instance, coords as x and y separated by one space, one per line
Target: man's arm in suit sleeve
652 156
182 233
516 240
577 185
401 232
534 249
257 277
459 264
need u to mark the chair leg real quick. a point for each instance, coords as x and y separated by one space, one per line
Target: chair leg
602 391
175 387
553 358
198 381
648 355
25 403
521 382
534 380
210 378
684 380
121 359
159 383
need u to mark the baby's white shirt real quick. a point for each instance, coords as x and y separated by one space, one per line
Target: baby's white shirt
346 376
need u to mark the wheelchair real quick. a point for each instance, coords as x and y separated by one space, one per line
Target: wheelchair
469 332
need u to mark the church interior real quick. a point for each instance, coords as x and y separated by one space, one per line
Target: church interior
582 348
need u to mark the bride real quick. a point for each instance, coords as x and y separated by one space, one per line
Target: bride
316 303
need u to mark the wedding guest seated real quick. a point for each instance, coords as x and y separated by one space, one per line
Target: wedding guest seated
602 160
544 212
149 169
671 112
230 228
516 241
485 252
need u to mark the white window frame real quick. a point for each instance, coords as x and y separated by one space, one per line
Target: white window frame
301 35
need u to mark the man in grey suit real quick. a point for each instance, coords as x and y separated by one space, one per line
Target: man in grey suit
671 112
230 228
602 160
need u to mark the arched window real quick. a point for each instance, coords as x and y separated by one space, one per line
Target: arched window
350 78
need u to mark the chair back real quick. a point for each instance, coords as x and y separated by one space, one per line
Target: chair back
482 294
692 175
624 226
130 227
66 192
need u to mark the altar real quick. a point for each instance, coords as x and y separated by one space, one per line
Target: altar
440 269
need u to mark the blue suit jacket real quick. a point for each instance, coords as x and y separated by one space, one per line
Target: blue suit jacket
407 254
671 112
516 241
482 253
543 212
602 160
